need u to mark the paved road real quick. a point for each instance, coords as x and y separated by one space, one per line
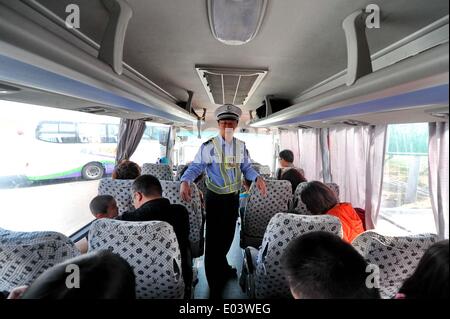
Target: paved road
62 207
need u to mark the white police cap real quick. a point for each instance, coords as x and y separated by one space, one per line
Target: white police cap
228 112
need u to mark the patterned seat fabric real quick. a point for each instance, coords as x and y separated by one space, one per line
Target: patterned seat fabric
171 191
120 189
151 248
26 255
269 279
396 257
265 172
179 170
260 210
160 171
299 206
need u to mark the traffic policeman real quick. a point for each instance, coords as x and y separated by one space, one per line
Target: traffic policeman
225 159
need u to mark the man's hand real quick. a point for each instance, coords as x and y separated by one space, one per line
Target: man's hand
185 191
261 185
17 292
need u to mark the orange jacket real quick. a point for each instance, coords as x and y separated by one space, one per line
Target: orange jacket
351 223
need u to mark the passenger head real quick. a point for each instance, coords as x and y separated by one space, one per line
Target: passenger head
104 206
286 158
96 275
145 188
318 198
320 265
294 177
126 170
430 279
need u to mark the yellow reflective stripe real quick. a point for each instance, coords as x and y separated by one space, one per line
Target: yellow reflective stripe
223 171
222 190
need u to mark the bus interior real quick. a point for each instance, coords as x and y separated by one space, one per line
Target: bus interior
356 89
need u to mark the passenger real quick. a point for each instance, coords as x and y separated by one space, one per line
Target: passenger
102 275
320 199
104 206
294 176
101 206
286 161
150 205
430 279
320 265
126 170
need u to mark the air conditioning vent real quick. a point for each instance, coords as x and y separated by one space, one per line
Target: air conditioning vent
346 122
230 86
93 109
8 89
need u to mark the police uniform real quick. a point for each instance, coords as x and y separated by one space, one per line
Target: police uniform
224 164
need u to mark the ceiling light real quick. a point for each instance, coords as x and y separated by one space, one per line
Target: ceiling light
235 22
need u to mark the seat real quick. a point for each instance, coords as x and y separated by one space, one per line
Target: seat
262 276
26 255
179 170
120 189
171 191
264 170
299 206
151 248
396 257
259 210
160 171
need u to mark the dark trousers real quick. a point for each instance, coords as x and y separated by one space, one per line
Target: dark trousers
221 216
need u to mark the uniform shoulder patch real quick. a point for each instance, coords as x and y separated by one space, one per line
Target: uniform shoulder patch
208 141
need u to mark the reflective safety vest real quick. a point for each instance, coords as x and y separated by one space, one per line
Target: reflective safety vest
226 163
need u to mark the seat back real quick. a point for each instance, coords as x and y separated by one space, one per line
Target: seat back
120 189
160 171
396 257
26 255
299 206
264 170
151 248
178 173
171 191
270 281
259 210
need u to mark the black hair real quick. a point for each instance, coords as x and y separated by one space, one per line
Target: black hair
287 155
148 185
294 177
102 275
318 197
126 170
430 279
99 204
320 265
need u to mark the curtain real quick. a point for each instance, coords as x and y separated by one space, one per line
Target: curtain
130 134
289 140
310 153
438 175
356 164
374 173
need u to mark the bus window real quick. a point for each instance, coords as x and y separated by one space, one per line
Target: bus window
55 158
406 206
153 144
